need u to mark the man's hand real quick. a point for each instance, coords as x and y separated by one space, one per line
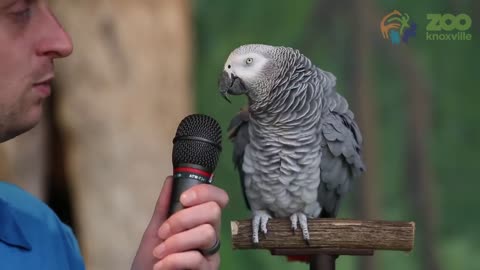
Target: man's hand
173 243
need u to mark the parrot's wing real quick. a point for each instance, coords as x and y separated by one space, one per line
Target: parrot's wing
341 159
238 134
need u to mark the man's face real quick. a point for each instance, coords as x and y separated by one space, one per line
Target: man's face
30 39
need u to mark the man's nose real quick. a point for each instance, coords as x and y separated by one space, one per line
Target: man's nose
55 41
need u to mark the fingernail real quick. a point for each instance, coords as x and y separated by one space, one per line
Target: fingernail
164 231
188 197
158 251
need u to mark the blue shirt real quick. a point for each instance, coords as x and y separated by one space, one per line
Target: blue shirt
32 236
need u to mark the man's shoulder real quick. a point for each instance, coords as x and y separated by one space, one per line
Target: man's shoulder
32 214
32 225
24 202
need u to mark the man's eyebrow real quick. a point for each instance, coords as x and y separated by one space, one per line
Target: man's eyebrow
7 4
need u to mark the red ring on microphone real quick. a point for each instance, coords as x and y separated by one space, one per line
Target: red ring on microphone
192 170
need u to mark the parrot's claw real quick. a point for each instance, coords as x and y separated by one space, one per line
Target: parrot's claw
259 222
300 218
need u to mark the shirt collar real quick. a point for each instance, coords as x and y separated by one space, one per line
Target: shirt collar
10 231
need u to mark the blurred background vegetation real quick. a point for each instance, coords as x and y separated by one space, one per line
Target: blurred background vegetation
421 116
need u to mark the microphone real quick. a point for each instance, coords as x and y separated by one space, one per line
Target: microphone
196 149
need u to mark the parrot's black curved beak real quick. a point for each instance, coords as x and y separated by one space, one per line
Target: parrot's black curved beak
230 84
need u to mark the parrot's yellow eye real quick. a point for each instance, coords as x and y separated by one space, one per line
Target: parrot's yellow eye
249 60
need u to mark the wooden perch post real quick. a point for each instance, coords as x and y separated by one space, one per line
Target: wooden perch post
329 238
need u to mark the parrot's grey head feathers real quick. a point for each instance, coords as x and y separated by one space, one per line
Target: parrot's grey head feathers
253 70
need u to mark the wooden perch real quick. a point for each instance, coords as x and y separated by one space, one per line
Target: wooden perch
327 236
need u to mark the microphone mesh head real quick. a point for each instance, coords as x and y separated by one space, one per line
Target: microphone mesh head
198 141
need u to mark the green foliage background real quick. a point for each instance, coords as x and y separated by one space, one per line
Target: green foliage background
454 148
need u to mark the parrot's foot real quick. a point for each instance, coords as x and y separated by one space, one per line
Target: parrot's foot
300 218
260 219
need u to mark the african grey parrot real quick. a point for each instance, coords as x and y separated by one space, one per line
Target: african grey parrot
297 147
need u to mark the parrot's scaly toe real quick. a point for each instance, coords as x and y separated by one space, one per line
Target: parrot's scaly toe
304 225
294 221
259 222
300 218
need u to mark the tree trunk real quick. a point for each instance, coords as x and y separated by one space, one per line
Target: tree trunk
364 104
120 98
419 170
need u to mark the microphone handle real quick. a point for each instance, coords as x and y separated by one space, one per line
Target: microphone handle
185 177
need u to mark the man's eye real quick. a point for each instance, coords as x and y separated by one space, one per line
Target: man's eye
22 15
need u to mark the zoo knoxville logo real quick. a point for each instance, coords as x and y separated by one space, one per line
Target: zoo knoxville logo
398 27
448 27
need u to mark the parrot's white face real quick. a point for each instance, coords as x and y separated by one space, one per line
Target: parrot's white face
249 70
248 67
